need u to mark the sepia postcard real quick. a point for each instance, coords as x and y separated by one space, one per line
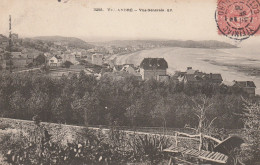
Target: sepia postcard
129 82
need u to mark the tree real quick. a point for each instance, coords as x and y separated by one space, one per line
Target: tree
202 104
38 104
251 116
86 107
161 111
67 64
19 108
40 59
132 113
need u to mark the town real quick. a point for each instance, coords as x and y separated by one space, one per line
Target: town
60 58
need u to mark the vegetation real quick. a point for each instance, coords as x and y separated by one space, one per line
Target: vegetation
83 100
67 64
37 146
129 102
40 59
250 153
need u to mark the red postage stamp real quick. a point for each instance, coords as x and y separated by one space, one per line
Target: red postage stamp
238 19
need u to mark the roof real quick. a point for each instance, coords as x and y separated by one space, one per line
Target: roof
154 63
228 144
118 67
191 71
244 84
214 76
58 57
200 76
131 65
97 55
193 77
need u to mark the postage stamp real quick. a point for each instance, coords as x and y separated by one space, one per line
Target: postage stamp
238 19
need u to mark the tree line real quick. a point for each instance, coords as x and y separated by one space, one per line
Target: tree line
83 100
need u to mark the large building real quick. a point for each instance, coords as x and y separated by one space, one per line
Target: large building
153 68
196 77
247 86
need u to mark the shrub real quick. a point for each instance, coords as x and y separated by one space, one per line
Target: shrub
149 147
3 126
36 147
250 152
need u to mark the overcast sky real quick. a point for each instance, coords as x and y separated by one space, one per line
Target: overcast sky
189 20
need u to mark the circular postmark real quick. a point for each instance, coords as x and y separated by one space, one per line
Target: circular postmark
238 19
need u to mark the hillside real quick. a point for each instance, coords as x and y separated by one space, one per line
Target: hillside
59 38
3 38
70 41
210 44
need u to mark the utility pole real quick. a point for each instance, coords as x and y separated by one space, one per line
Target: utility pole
10 43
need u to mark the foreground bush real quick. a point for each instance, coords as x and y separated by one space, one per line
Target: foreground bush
84 100
38 147
250 153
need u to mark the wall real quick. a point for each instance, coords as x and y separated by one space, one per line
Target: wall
97 59
69 132
250 91
151 74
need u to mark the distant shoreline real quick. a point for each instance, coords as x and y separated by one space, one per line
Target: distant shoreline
229 65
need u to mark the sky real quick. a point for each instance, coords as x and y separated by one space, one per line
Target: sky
189 19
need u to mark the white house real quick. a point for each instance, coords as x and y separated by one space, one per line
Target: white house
97 59
55 61
69 57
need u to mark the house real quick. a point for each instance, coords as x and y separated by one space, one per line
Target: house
97 59
163 78
78 54
201 78
30 58
47 55
91 50
129 68
195 77
16 54
151 68
247 86
19 62
69 57
55 61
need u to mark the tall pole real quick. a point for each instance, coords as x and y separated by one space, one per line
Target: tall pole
10 43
